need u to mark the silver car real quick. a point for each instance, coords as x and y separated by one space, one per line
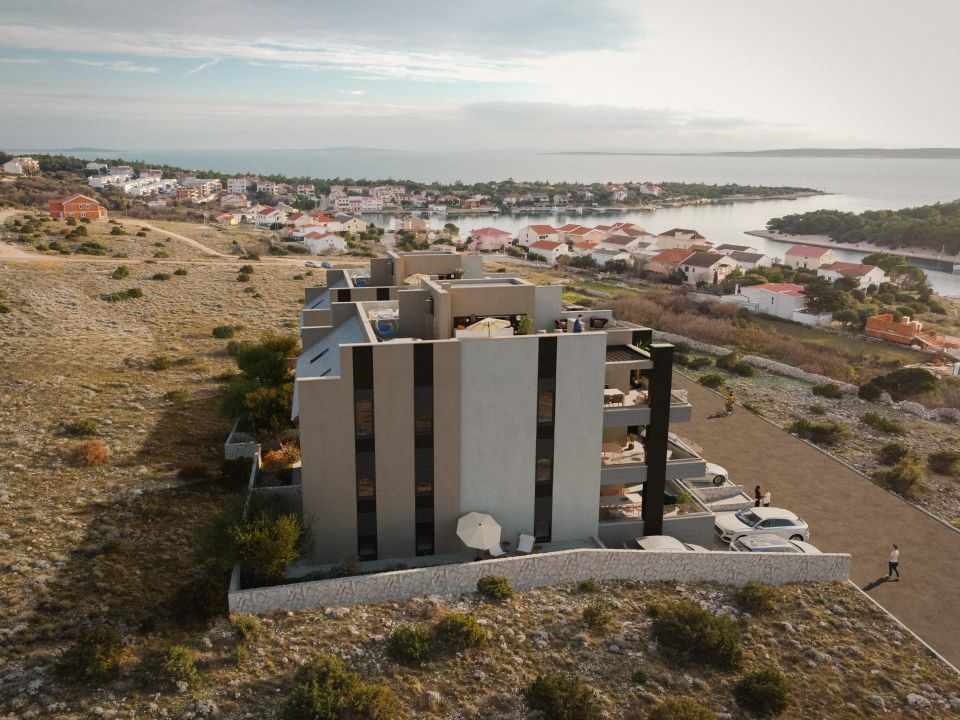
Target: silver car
769 543
751 521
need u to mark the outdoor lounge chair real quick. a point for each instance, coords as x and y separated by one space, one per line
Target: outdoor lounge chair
496 551
525 544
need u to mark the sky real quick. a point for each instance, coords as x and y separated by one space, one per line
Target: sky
684 75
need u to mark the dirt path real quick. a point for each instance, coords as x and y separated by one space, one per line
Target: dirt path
189 241
846 512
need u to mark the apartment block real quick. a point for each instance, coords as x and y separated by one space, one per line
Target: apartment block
428 389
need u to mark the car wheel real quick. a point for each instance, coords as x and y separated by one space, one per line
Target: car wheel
796 537
718 480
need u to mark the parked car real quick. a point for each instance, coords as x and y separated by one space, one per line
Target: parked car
326 264
717 474
313 263
770 543
751 521
665 543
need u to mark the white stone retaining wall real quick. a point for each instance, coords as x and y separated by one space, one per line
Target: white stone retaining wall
553 568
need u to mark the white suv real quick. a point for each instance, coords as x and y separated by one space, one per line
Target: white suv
750 521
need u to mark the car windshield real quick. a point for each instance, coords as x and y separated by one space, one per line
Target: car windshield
747 517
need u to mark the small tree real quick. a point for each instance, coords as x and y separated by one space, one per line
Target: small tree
561 696
410 644
265 545
678 708
764 692
95 655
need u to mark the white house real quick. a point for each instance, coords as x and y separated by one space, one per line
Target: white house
266 215
21 165
227 219
727 248
782 300
622 242
307 191
583 249
648 188
747 261
804 256
322 242
865 275
603 255
97 167
619 195
549 249
237 185
354 225
679 238
489 238
537 233
234 200
708 267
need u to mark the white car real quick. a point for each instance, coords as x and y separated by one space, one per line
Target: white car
769 543
750 521
665 543
717 474
312 263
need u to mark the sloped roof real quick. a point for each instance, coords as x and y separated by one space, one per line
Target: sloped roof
849 269
807 251
780 288
683 231
543 229
704 259
673 255
545 245
747 256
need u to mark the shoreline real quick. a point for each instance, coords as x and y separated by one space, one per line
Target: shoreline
827 242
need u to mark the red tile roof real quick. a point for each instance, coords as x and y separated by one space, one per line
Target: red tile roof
585 245
545 245
488 231
845 268
543 229
673 255
569 226
807 251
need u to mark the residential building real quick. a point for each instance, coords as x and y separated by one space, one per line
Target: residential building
354 225
648 188
707 268
623 242
324 242
239 185
266 186
805 256
76 206
620 195
198 190
122 170
234 200
21 166
550 250
307 191
679 238
602 255
747 261
865 275
582 249
227 219
95 166
903 331
782 300
183 177
409 419
727 249
586 234
151 173
668 261
264 215
563 233
489 238
411 223
533 233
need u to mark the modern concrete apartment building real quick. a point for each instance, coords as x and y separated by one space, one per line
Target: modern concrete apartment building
410 418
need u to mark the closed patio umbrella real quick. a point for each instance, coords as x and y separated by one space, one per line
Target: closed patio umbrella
489 325
478 530
415 278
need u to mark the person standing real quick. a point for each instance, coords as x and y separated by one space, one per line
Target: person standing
578 324
894 563
765 501
757 496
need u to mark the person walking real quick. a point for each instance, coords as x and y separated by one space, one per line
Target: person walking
757 496
731 401
894 563
578 324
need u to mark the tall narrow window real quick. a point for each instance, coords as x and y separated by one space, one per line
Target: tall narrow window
365 450
546 413
423 447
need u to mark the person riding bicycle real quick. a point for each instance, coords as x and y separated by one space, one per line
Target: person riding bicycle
731 401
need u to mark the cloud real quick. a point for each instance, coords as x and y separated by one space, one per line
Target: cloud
21 61
352 92
116 65
202 66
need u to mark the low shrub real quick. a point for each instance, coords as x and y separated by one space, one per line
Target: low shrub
325 689
120 273
243 277
160 276
944 462
869 391
180 272
764 692
116 230
495 587
192 469
248 627
265 545
715 381
883 424
410 644
461 631
821 433
246 269
85 427
905 383
639 675
687 633
597 614
587 586
817 410
223 332
91 248
168 666
904 478
198 600
121 295
744 369
89 454
892 453
562 696
96 655
288 454
757 598
160 362
827 390
235 347
700 361
679 708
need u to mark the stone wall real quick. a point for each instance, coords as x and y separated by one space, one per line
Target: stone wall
554 568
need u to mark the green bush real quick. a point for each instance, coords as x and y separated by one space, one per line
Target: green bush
561 696
85 427
700 361
235 347
122 295
869 391
325 689
160 362
817 410
461 631
91 248
882 424
892 453
907 382
248 627
120 273
246 270
223 332
96 655
597 614
827 390
757 598
821 433
168 665
764 692
680 708
944 462
904 478
587 586
116 230
160 276
180 272
687 633
715 381
744 369
495 587
639 675
410 644
265 545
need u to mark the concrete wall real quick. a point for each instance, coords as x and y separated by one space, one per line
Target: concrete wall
498 430
486 300
693 528
547 306
727 568
576 450
446 446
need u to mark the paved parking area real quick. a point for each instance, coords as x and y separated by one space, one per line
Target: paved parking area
846 513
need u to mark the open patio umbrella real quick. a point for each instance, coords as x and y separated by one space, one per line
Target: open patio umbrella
415 278
489 324
478 530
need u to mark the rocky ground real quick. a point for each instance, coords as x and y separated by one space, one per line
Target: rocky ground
783 400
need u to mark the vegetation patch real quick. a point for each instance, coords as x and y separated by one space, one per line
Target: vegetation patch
945 462
758 598
495 587
168 666
84 427
461 631
325 689
687 633
597 614
904 478
562 696
892 453
827 390
714 381
89 454
679 708
410 644
821 433
883 424
96 655
764 692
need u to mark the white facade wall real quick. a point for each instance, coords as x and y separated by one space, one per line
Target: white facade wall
780 305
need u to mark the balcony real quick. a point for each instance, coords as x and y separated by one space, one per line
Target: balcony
626 409
624 465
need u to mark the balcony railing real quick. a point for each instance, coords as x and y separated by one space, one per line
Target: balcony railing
630 408
621 464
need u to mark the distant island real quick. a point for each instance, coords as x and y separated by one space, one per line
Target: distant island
878 153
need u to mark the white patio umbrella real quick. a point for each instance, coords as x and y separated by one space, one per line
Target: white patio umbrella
478 530
415 278
489 324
